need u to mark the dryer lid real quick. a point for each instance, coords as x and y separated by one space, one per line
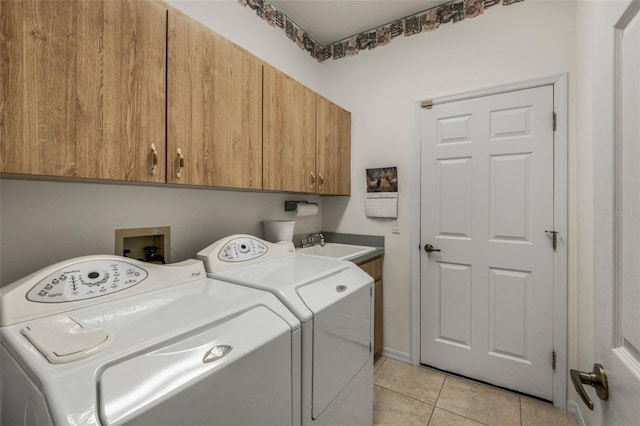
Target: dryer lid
285 276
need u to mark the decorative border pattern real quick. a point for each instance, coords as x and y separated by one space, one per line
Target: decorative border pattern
428 20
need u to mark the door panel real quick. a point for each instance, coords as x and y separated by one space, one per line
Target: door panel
508 313
509 197
454 208
616 133
454 288
486 202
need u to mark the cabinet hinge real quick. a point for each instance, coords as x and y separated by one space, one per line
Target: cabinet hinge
428 104
554 121
553 359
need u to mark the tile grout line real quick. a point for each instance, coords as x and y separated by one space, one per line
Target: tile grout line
406 396
520 407
464 417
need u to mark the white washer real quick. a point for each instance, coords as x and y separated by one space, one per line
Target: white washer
109 340
333 299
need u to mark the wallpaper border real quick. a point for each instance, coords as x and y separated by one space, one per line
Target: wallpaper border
427 20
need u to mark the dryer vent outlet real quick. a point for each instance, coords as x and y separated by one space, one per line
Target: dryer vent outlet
146 244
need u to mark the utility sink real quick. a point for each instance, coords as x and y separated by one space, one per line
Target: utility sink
340 251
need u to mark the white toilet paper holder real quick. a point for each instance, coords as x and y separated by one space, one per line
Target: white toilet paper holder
292 206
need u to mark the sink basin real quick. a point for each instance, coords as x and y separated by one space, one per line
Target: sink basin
340 251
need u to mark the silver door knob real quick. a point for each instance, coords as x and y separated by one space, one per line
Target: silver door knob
429 248
597 379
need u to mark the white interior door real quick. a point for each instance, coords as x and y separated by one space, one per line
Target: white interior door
486 204
616 137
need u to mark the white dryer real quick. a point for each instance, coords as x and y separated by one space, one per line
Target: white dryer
333 299
113 341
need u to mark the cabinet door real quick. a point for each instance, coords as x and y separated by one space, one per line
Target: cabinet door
82 92
378 318
215 108
374 269
333 148
289 137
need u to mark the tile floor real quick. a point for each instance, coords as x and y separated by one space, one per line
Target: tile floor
408 395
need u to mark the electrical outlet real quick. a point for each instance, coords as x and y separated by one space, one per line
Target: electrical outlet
394 226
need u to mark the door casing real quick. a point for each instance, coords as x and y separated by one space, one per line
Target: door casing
560 201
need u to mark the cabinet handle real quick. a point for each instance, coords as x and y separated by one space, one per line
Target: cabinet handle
180 164
321 181
154 160
313 179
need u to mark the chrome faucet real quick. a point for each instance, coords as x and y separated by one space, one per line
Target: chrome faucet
308 240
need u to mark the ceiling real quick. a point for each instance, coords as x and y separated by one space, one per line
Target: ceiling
328 21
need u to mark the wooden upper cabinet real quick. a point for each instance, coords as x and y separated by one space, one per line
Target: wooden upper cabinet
82 92
289 134
333 149
214 108
306 139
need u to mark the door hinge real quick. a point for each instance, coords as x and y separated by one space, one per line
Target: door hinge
553 360
370 347
427 104
554 239
554 120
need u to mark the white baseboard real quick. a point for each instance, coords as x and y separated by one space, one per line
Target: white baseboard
574 408
397 355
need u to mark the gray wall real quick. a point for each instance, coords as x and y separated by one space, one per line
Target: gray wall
43 222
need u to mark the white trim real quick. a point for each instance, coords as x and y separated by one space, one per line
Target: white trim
415 242
560 308
574 408
397 355
546 81
560 220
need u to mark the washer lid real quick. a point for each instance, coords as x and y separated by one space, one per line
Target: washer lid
216 375
141 324
285 276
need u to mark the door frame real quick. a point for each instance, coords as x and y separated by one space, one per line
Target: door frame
560 202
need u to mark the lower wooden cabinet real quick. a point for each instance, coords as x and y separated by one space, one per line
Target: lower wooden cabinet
373 267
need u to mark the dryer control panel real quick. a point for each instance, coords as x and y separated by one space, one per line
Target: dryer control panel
85 280
228 252
242 249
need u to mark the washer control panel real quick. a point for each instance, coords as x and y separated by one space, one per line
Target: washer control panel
86 280
242 249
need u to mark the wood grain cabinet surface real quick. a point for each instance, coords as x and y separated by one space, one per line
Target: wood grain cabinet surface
138 91
82 92
306 139
289 134
333 148
214 108
373 267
